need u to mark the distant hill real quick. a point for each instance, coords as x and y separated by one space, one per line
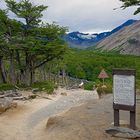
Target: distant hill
82 40
125 41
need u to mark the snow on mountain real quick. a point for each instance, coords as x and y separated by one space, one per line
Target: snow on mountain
86 36
82 40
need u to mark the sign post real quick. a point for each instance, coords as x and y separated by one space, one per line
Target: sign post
124 94
103 75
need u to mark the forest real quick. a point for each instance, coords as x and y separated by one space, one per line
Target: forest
27 46
88 64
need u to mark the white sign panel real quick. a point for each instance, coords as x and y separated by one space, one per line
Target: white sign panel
124 89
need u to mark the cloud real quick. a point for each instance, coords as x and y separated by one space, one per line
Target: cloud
86 15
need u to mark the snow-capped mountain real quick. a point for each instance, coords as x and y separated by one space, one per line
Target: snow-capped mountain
82 40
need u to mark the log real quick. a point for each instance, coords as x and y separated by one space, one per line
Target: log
44 97
20 98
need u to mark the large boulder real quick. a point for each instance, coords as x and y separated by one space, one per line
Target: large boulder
123 132
6 103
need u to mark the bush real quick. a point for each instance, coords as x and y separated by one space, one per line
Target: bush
4 87
89 86
45 86
104 90
138 84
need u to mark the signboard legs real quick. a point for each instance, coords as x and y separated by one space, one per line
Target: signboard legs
116 117
132 119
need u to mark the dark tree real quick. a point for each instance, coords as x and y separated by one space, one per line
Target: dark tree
128 3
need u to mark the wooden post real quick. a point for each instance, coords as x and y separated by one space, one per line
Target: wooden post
116 117
133 120
103 81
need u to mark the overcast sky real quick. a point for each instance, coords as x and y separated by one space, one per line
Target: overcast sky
85 15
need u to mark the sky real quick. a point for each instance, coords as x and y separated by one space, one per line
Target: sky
87 16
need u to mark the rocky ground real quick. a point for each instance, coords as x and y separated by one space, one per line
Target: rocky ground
70 115
28 120
87 122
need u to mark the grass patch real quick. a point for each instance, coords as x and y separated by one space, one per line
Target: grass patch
47 86
89 85
4 87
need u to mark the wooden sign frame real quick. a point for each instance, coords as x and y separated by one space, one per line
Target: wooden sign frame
131 108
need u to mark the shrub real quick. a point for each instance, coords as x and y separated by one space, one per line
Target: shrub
138 84
45 86
133 41
89 86
104 90
4 87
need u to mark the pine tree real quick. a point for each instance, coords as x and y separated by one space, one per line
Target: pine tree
38 43
128 3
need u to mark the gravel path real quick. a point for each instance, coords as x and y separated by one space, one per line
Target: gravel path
87 122
73 98
28 120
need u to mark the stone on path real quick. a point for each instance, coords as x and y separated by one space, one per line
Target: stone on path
64 93
122 132
5 103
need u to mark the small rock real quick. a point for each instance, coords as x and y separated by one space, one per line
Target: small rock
14 105
33 96
64 93
35 90
52 121
122 132
43 88
1 93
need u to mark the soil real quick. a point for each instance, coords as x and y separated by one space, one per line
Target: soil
87 122
28 120
75 115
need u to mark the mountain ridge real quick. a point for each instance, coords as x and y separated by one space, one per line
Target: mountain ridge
125 41
85 40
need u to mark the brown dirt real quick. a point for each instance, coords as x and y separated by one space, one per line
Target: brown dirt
87 122
84 122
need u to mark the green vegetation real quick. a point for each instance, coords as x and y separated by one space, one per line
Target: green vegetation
133 41
128 3
89 86
4 87
88 64
25 47
45 86
104 90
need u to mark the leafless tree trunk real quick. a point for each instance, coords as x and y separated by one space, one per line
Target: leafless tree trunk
42 70
2 70
32 71
12 68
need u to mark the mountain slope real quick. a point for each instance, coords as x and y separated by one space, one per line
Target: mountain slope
125 41
82 41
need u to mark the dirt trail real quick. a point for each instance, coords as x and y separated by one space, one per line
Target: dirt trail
27 121
87 122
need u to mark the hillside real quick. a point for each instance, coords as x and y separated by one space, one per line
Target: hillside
125 41
84 40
